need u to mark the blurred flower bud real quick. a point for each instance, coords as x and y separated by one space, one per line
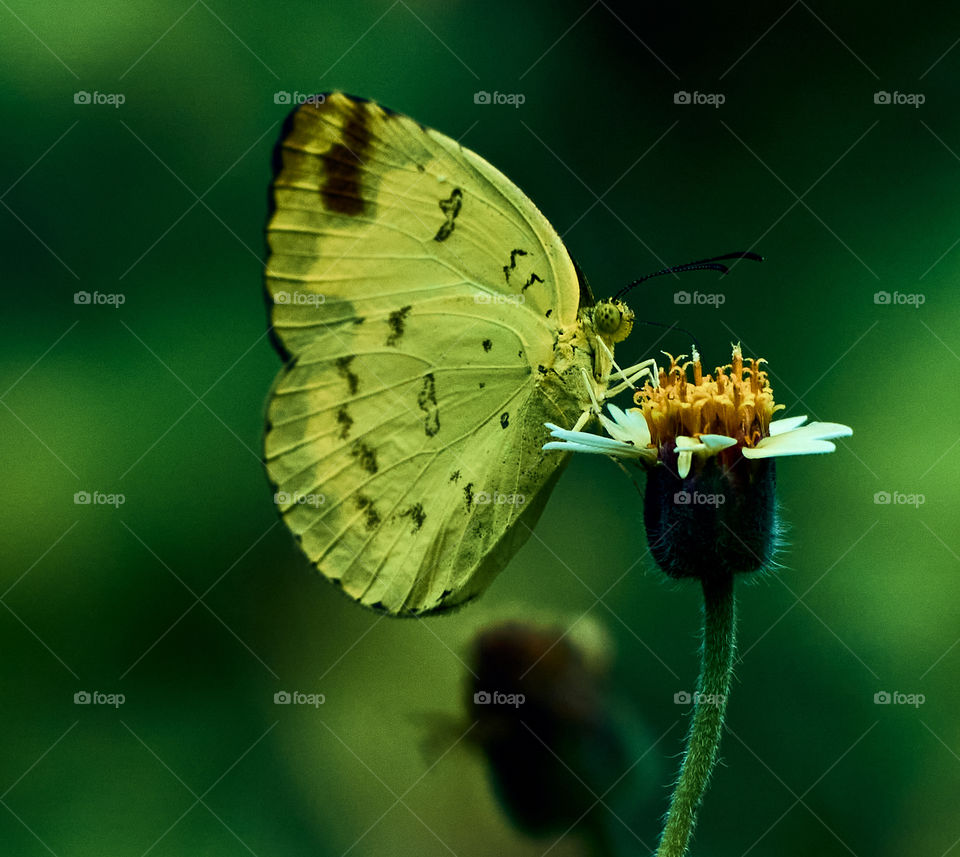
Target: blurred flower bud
560 754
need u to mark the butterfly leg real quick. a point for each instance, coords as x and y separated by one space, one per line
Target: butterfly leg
594 408
614 366
648 368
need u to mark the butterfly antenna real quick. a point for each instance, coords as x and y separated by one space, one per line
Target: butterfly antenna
712 264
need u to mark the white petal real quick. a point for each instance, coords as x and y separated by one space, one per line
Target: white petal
567 434
683 462
611 447
786 424
716 442
813 431
581 441
568 446
688 443
805 448
826 431
618 415
626 427
582 438
638 423
614 430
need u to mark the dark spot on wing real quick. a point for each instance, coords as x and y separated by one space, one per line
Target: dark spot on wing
427 402
416 514
487 344
548 313
504 419
371 516
450 208
343 165
542 369
395 321
420 168
483 384
345 421
343 370
365 456
360 320
533 279
455 476
513 263
468 493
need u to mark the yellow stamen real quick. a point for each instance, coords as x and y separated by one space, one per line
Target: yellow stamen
725 405
736 365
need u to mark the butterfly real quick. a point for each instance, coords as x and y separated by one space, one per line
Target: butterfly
431 322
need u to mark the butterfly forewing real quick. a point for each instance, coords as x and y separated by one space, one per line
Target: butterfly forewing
419 296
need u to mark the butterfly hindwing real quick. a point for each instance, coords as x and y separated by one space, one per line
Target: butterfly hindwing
420 297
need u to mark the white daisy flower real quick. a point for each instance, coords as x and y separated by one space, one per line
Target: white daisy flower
741 406
707 443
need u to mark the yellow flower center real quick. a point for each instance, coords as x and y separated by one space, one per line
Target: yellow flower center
736 401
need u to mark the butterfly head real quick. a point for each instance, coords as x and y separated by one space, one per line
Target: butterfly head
612 320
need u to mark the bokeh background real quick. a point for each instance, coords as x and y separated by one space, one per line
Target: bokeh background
192 600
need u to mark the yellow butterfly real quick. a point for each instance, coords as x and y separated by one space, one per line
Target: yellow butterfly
432 321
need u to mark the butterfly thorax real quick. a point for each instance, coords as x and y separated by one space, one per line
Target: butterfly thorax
583 354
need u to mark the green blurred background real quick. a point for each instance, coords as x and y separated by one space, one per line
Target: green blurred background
192 600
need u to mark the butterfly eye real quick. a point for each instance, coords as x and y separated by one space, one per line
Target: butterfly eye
607 318
613 320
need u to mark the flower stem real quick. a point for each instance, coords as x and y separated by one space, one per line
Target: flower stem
710 704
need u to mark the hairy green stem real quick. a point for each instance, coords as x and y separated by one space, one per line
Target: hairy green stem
710 704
